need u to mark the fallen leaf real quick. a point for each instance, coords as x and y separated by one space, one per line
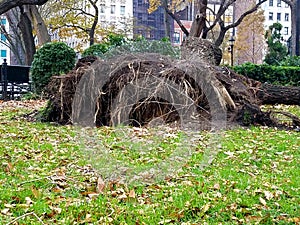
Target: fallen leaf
100 185
131 194
262 201
35 192
268 195
217 186
9 167
28 201
5 211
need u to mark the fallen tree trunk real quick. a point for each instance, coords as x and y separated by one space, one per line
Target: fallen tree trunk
271 94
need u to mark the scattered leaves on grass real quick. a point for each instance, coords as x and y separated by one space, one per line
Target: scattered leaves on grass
43 177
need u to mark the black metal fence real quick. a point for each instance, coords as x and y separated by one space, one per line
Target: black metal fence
14 81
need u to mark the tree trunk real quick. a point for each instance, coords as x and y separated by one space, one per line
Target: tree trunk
95 22
166 19
271 94
199 20
40 26
27 36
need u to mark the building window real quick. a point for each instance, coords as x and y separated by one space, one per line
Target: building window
112 9
278 3
3 53
3 21
102 8
270 16
285 31
122 10
286 17
271 3
176 38
3 37
278 16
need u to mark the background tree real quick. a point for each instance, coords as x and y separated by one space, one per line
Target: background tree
71 18
276 50
200 26
26 27
250 41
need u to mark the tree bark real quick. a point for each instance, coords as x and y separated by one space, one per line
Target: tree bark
6 5
26 30
95 22
166 19
40 26
199 20
271 94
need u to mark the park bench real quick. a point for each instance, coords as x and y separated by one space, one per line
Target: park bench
14 81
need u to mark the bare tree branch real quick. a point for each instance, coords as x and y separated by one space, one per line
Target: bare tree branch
6 5
182 27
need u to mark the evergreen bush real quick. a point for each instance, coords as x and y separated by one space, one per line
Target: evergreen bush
53 58
280 75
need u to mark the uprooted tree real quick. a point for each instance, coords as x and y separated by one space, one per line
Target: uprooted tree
135 89
193 91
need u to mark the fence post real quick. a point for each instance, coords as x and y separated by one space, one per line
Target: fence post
4 77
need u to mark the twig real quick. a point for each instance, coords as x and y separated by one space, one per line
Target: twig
23 216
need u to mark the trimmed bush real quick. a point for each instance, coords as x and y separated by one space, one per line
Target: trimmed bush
53 58
280 75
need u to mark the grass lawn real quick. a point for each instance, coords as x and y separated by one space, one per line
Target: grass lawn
46 177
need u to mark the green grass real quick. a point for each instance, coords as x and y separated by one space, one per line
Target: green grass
45 176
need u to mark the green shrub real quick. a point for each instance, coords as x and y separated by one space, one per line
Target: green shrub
111 41
142 45
291 61
53 58
281 75
96 50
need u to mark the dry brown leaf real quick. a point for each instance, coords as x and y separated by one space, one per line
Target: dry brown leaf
268 195
131 194
28 201
100 185
262 201
217 186
35 192
9 167
5 211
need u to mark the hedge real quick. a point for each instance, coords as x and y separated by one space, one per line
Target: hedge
278 75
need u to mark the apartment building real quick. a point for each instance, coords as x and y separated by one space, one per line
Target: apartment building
278 11
4 50
149 25
117 13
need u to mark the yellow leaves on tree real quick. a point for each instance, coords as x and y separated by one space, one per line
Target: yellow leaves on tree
174 6
250 41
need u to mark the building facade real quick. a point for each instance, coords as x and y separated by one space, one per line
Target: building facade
4 49
118 14
278 11
149 25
